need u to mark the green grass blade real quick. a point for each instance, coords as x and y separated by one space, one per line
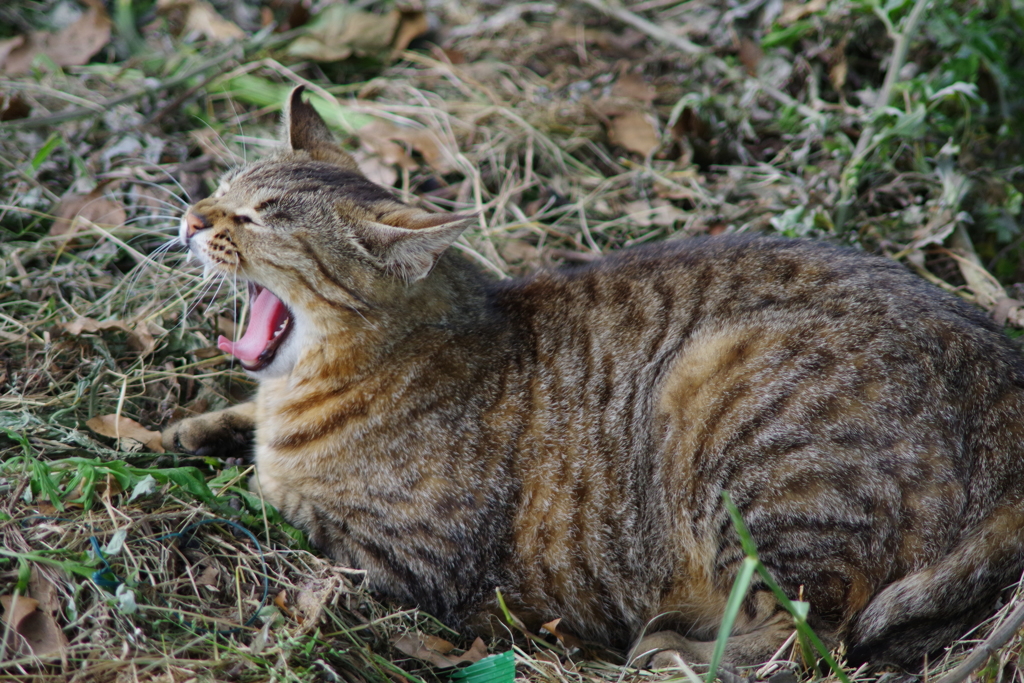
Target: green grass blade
799 612
41 481
264 93
45 151
746 540
732 607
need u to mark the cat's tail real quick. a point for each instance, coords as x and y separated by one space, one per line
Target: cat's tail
919 615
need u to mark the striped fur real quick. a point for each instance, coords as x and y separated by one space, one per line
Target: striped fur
566 437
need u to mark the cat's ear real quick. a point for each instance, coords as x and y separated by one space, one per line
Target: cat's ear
412 241
306 130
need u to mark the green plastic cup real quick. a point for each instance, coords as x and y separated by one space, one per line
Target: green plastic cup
494 669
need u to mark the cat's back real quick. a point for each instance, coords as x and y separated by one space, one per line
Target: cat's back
731 337
823 388
732 276
649 304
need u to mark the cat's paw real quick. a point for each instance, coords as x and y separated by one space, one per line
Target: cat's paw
661 650
224 433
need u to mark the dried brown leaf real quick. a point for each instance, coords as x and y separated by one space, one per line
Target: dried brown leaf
71 46
690 125
437 643
411 26
202 19
23 607
14 107
435 650
40 634
795 11
281 600
659 213
476 651
837 74
9 45
383 138
380 137
92 325
43 589
340 31
750 54
92 207
207 352
635 87
375 168
1008 310
140 335
109 487
572 33
311 599
208 577
568 640
634 130
519 250
124 427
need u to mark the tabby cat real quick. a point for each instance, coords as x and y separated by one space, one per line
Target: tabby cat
567 437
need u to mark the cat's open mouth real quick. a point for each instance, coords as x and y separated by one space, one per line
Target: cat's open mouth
269 325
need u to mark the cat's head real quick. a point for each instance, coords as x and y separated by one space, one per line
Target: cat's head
315 241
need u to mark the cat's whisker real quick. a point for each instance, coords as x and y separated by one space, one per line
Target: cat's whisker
205 286
140 269
369 324
154 216
228 158
128 194
236 314
143 233
241 133
184 198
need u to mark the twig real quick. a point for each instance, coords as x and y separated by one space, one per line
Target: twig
9 622
83 112
239 50
851 172
68 97
175 104
613 8
981 653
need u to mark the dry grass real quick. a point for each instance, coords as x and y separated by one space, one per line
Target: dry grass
511 121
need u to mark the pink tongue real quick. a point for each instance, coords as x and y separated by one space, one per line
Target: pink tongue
265 317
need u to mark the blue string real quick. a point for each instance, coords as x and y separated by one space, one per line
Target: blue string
105 577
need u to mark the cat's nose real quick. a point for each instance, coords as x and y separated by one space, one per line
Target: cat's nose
194 222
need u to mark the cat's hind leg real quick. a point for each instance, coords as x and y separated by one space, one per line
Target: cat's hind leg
659 650
922 613
224 433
